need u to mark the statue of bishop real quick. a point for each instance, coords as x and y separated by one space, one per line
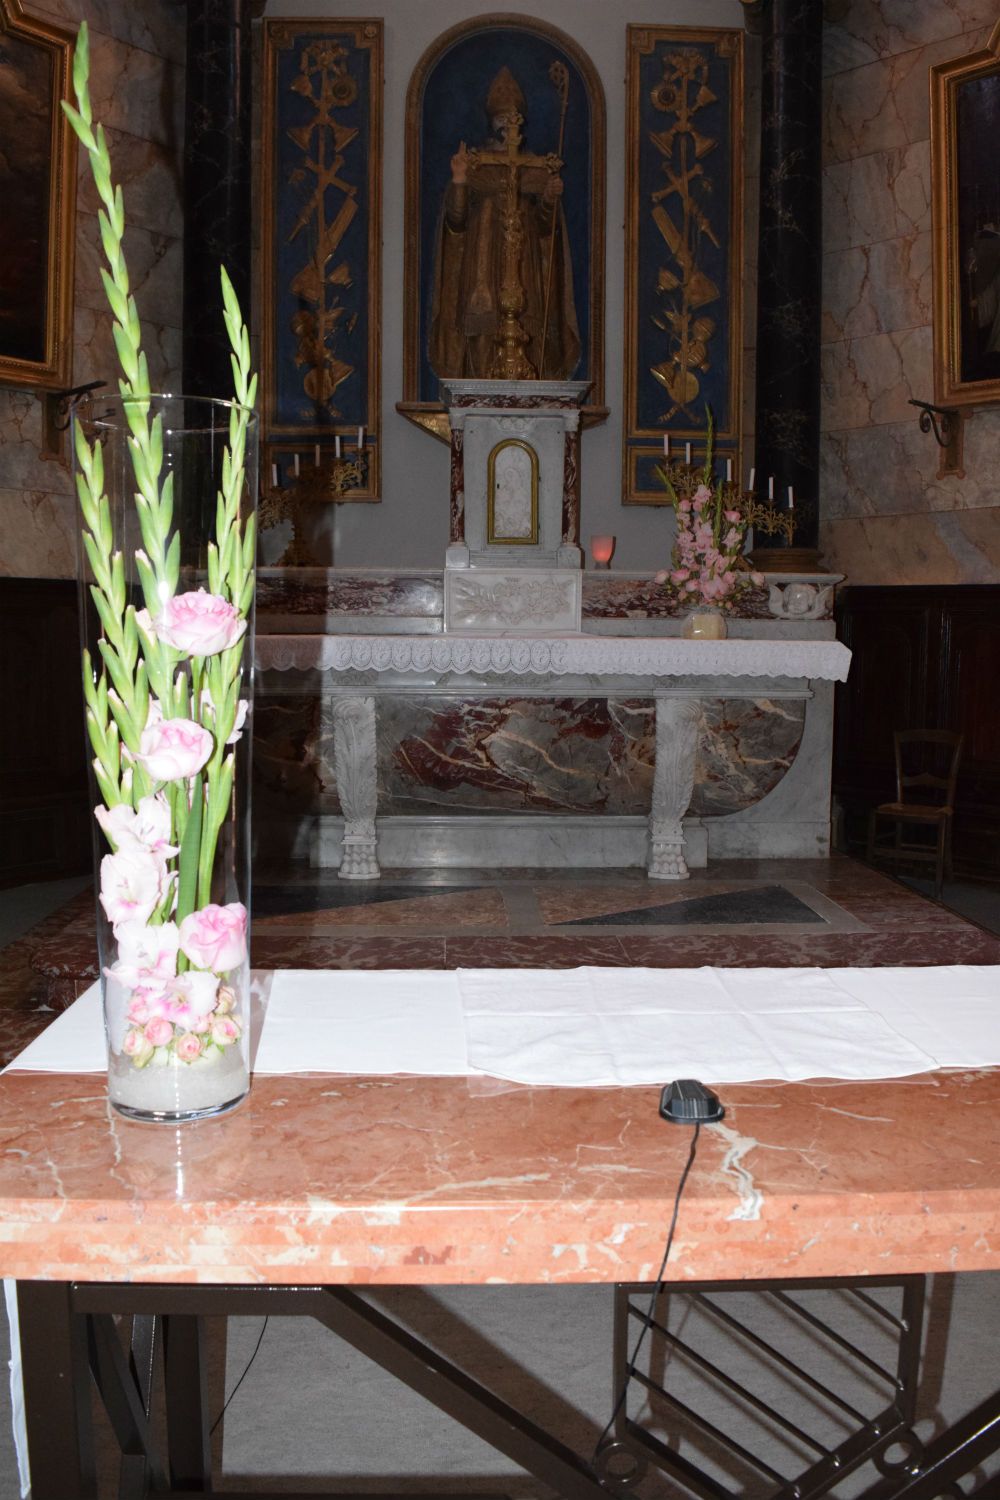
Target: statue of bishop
503 278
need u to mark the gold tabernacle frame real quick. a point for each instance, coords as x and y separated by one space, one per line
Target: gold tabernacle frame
55 311
954 291
492 535
364 33
642 41
431 415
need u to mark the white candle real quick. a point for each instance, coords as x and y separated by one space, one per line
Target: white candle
361 437
770 487
687 453
791 498
316 455
336 446
666 445
753 480
729 471
296 462
274 476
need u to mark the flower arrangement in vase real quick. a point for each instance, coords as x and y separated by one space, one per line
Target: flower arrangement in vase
166 488
709 569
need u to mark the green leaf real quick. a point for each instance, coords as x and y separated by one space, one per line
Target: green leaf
173 566
80 126
126 354
187 863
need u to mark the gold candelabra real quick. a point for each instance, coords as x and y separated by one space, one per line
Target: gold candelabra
325 480
758 514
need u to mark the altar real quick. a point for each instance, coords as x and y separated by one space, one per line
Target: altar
364 677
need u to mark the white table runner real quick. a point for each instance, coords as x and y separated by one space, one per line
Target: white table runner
594 1027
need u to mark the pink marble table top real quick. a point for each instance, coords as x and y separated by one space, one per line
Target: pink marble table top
367 1180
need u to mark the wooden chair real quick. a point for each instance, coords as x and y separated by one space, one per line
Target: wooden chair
926 772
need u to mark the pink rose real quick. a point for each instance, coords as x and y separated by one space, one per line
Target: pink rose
702 493
216 937
684 506
199 624
679 574
174 749
188 1047
158 1032
145 952
225 1031
732 516
137 1047
133 885
189 997
661 576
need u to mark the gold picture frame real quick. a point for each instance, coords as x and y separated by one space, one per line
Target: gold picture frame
493 535
691 261
965 217
38 187
319 304
419 404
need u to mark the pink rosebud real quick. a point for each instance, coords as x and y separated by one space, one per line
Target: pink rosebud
158 1032
174 749
216 937
137 1047
239 721
757 579
661 576
226 1002
225 1031
199 624
732 516
679 574
684 506
188 1047
133 885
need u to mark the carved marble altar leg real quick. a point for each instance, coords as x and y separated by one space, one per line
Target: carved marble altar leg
677 724
355 768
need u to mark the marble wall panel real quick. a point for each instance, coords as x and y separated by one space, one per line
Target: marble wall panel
869 381
877 196
39 534
511 755
885 104
887 517
862 31
137 54
957 546
879 288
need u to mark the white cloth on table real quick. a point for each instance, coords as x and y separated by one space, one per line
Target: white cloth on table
593 1027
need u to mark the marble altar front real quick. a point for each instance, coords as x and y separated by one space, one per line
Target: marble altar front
438 738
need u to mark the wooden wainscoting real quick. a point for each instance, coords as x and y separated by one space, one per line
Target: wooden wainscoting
925 657
44 812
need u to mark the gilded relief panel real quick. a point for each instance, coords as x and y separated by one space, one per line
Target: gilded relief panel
683 256
321 250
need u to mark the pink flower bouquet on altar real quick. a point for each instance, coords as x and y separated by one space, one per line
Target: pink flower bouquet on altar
709 567
167 695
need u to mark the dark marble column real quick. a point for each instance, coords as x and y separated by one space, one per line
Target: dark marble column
789 260
217 131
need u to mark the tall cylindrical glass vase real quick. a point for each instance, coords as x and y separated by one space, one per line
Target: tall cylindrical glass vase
167 488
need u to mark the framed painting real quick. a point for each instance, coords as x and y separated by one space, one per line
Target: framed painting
683 248
504 200
965 199
321 247
38 193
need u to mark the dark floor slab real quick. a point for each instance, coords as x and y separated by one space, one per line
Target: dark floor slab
771 904
841 950
533 953
348 953
326 895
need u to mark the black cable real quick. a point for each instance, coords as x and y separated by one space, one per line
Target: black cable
243 1377
657 1289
